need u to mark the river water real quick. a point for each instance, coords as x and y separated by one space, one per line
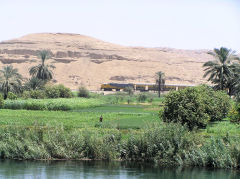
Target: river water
104 170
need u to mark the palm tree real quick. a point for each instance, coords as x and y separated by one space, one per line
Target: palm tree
34 84
160 81
220 70
42 71
10 80
233 81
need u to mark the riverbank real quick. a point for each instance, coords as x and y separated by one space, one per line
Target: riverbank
164 144
129 132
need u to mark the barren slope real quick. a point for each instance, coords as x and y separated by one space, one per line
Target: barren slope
82 60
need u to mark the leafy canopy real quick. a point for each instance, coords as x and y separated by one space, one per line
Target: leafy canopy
10 80
222 71
42 71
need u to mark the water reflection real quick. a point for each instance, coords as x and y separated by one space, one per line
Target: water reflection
104 170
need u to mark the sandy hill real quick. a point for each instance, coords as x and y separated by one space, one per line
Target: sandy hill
82 60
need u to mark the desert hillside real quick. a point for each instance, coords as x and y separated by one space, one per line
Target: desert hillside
82 60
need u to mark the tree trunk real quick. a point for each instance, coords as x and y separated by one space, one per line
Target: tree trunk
159 88
221 80
5 96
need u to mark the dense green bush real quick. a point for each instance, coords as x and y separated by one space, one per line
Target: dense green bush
217 103
12 96
56 91
1 101
195 106
25 95
83 92
52 92
64 92
234 113
37 94
34 94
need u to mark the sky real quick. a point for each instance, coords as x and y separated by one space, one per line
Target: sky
183 24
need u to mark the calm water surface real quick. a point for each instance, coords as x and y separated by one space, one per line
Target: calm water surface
104 170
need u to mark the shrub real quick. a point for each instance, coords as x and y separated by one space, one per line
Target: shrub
1 101
163 144
142 97
37 94
57 91
64 92
195 106
12 96
26 95
52 92
234 113
217 103
83 92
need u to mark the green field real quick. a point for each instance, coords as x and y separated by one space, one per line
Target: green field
114 116
85 113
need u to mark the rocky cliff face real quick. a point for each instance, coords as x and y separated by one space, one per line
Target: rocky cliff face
82 60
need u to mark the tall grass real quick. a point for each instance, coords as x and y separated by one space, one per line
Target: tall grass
165 144
173 144
53 104
57 143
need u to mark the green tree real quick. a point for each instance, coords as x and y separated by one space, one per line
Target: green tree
42 71
220 71
10 80
195 106
233 81
129 91
160 81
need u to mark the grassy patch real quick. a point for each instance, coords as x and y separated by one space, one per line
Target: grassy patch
53 104
222 128
114 116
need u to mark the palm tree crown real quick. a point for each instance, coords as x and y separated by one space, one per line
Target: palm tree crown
42 71
10 80
160 80
221 69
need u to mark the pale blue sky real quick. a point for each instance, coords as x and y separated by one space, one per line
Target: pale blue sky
185 24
